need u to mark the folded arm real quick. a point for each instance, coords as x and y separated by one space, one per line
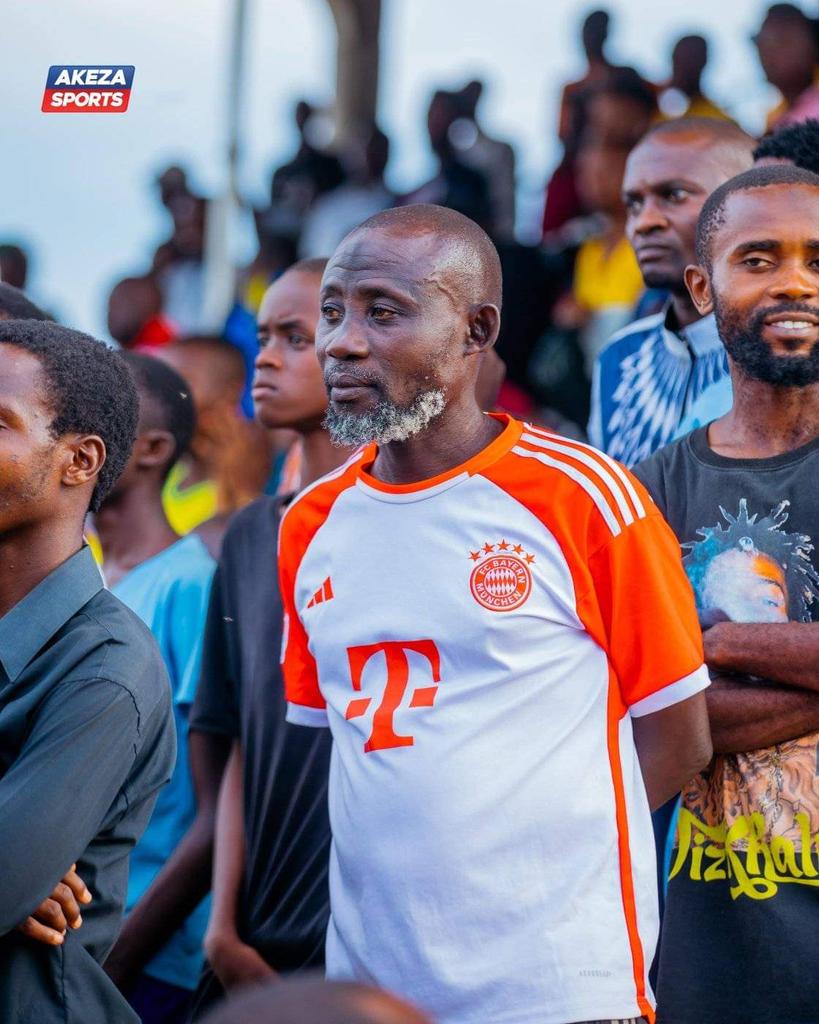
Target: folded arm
784 652
672 745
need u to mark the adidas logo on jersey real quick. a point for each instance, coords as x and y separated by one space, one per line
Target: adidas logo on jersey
324 593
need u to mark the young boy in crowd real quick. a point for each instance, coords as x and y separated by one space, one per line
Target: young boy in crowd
270 902
166 581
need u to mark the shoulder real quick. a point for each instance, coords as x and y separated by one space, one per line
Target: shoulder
310 508
127 655
579 493
657 469
630 337
259 517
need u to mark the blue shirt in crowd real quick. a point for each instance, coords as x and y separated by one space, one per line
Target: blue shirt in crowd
646 380
712 403
170 592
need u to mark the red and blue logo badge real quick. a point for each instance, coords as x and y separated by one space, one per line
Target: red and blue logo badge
88 88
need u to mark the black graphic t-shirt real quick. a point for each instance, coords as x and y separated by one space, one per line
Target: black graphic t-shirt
742 913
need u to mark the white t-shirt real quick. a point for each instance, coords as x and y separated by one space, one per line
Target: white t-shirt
478 644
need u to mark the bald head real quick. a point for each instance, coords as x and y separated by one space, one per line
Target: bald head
460 246
669 175
300 1001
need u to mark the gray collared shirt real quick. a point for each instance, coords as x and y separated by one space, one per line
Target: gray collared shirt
86 741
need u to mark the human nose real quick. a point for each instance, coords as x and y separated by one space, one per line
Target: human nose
795 282
269 356
345 340
648 218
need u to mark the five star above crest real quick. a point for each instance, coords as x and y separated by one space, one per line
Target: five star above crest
503 545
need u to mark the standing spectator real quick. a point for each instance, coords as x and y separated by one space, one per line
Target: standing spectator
796 144
648 375
788 53
683 95
86 733
607 281
741 496
364 193
165 581
229 460
594 34
271 904
494 159
485 636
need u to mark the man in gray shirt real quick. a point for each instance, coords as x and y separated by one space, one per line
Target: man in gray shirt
86 733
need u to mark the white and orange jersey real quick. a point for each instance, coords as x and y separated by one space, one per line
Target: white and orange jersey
478 644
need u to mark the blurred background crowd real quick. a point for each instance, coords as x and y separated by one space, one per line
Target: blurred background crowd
570 275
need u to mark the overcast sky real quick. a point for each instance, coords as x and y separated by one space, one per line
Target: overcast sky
77 189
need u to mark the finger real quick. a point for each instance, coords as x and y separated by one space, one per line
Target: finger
50 913
65 897
77 885
40 933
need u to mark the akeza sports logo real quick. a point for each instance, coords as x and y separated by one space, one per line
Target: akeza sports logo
88 88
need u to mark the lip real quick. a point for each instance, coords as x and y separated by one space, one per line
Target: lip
263 388
348 392
795 317
653 252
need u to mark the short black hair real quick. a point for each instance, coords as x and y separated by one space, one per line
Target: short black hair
89 388
712 215
15 306
168 394
798 143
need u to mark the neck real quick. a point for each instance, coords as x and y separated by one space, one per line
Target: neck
28 555
319 455
132 528
765 420
683 310
458 434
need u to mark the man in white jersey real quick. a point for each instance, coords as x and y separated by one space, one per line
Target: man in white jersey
494 623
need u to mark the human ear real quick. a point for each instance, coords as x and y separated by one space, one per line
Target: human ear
484 325
86 457
154 448
698 284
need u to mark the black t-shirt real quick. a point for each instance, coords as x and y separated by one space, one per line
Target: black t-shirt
285 902
742 911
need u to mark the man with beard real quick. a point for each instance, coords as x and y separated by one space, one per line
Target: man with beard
647 376
465 607
743 905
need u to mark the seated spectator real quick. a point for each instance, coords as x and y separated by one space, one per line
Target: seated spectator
647 376
683 95
166 582
454 185
316 1002
228 463
13 265
494 159
135 317
364 193
788 53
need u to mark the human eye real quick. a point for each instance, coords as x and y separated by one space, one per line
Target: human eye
330 314
382 313
298 341
632 204
677 195
756 262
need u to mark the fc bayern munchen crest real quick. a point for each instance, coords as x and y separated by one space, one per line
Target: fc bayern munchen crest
501 580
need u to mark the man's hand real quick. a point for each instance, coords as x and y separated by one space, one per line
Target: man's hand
61 911
234 962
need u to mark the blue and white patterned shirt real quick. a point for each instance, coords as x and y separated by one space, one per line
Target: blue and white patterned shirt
646 379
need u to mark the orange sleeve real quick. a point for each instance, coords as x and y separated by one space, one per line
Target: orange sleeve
647 616
306 706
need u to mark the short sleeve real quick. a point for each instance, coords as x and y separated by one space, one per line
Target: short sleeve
305 704
187 615
648 617
216 706
595 424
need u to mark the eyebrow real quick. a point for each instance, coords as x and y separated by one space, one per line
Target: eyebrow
10 414
768 245
371 291
665 185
